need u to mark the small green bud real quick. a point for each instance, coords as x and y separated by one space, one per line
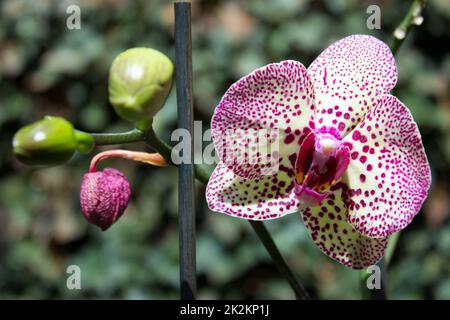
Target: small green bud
139 83
50 141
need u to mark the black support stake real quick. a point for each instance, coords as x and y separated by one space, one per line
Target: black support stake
183 67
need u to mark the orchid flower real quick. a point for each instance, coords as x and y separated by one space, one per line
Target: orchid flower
350 156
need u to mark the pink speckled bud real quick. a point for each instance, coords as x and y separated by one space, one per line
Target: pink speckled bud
104 196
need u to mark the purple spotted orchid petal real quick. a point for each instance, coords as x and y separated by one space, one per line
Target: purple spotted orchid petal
348 78
265 198
389 174
257 129
271 107
330 231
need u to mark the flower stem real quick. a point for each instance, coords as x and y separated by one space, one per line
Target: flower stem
393 239
412 18
159 145
261 230
133 135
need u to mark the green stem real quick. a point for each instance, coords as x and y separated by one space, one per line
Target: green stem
393 240
269 244
133 135
412 18
159 145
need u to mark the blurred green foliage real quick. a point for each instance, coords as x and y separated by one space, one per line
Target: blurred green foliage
47 69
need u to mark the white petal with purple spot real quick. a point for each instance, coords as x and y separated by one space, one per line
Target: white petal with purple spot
262 118
336 238
257 199
348 77
389 174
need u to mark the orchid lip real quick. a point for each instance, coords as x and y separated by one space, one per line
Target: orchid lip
309 197
321 162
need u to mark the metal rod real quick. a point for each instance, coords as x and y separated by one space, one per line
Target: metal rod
183 65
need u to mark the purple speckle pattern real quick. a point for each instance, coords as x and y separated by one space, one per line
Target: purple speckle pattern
104 196
348 77
264 198
389 176
361 174
277 98
336 238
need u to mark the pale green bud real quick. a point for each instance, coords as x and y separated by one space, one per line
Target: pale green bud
50 141
139 83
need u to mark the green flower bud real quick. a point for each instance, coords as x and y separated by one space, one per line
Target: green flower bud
50 141
139 83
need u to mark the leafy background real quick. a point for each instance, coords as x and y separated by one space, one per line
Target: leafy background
47 69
